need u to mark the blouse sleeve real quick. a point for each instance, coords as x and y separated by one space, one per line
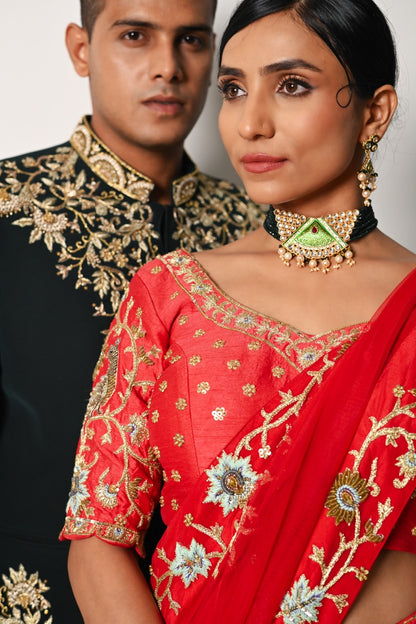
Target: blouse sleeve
116 478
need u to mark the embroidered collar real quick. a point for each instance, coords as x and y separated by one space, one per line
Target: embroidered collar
118 174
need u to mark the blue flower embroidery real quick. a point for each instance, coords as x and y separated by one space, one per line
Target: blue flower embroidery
301 604
190 562
232 481
79 493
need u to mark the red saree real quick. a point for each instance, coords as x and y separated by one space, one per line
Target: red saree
286 523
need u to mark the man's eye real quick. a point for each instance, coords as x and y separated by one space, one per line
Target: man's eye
193 40
133 35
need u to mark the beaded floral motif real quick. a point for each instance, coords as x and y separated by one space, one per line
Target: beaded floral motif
22 599
231 482
98 216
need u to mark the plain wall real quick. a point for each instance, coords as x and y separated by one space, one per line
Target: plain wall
41 100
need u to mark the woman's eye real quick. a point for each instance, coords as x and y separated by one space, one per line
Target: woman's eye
293 87
230 91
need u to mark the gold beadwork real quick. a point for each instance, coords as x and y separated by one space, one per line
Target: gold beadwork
367 176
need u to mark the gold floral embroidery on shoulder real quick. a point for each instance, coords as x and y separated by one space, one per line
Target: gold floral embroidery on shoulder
299 350
22 598
84 202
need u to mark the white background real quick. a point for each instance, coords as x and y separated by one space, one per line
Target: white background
41 100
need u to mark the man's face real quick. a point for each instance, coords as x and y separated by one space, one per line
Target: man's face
149 64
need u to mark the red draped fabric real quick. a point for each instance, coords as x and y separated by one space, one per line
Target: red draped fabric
286 523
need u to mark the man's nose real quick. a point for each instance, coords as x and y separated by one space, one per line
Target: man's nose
166 63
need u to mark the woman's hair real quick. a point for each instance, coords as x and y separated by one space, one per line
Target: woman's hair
356 31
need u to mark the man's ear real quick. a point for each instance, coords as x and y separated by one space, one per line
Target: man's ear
379 112
77 44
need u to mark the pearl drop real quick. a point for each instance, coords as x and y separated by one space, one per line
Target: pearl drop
288 256
362 176
338 259
325 263
348 254
313 264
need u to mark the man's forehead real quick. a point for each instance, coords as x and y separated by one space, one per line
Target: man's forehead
177 12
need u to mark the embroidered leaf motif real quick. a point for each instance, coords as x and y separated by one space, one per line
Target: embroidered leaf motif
302 603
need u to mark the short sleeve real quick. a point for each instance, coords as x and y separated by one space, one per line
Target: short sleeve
116 478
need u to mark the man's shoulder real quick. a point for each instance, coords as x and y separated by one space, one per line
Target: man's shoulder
30 160
220 186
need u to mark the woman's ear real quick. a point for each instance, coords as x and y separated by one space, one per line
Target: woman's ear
77 44
378 112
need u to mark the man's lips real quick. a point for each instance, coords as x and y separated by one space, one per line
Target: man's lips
261 163
164 105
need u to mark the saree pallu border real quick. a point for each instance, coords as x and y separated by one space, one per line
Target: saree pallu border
251 520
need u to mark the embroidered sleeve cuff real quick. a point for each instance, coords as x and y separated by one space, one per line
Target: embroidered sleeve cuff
78 528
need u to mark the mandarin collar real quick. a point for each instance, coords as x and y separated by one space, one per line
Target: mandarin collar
118 174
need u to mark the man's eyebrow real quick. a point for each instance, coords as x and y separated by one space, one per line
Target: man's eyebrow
186 28
273 68
134 23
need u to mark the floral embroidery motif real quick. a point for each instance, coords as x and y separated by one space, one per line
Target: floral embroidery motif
189 563
179 439
219 413
203 387
249 390
407 465
301 604
348 491
22 599
232 481
78 495
181 404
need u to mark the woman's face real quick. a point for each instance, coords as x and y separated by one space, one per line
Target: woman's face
281 121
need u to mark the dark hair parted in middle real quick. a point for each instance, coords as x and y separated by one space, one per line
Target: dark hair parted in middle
356 31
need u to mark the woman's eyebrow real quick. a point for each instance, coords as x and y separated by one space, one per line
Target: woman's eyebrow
286 65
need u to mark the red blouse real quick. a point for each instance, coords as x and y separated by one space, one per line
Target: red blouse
182 369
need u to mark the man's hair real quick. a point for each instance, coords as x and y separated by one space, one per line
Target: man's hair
90 10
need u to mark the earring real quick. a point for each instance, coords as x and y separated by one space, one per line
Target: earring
367 176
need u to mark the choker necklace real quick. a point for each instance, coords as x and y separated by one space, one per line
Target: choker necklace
321 243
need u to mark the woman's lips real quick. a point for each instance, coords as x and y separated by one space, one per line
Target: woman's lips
261 163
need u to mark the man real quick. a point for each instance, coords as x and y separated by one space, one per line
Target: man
77 220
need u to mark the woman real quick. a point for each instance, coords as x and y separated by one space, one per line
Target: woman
285 445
